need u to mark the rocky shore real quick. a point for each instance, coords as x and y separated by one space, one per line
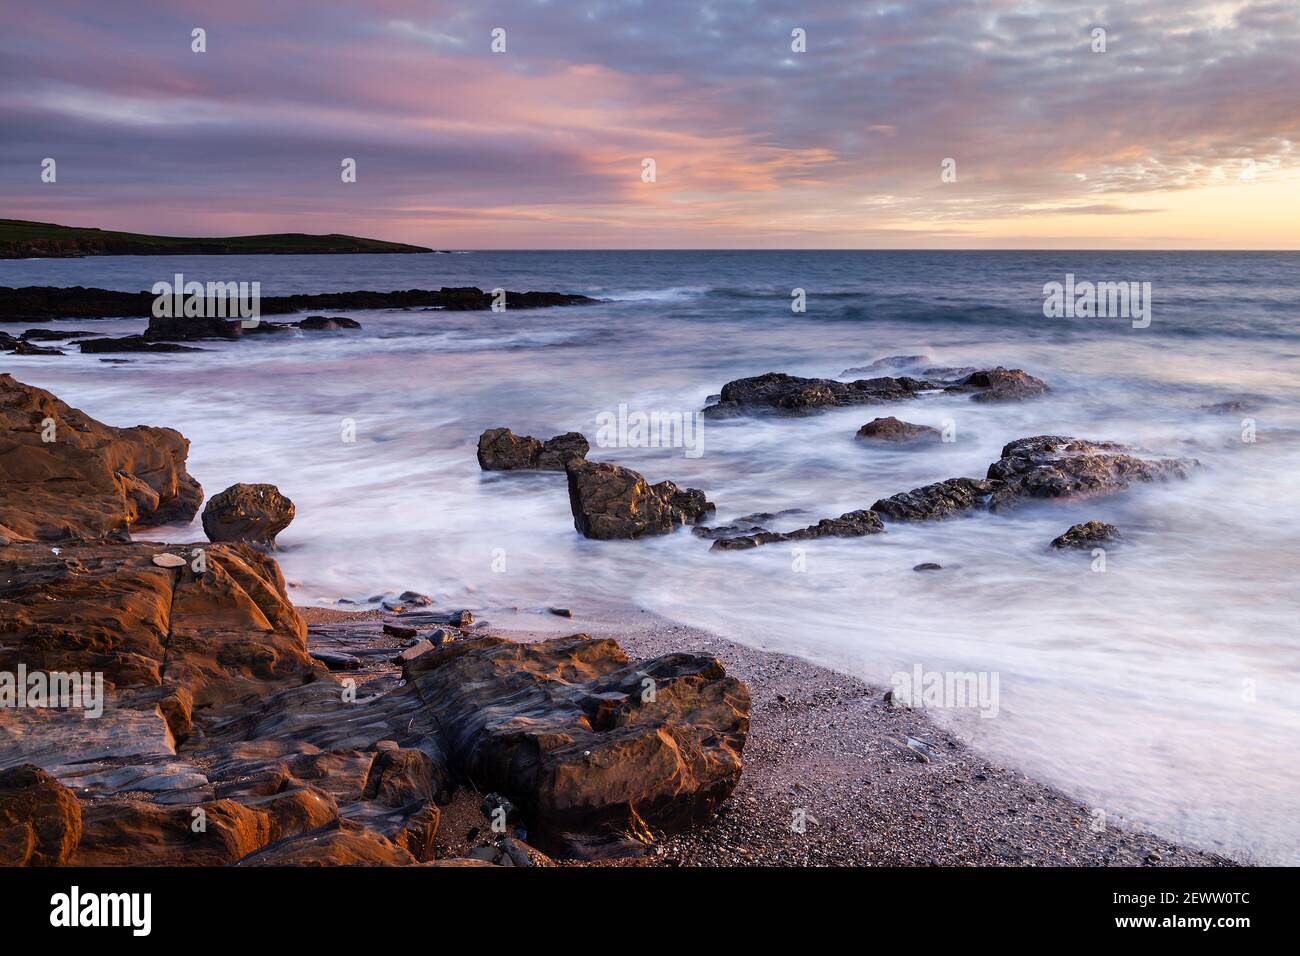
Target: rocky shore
46 303
236 728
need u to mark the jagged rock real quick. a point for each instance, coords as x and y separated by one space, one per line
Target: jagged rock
894 431
1045 466
1052 466
66 477
609 501
500 449
1000 385
40 818
567 729
252 513
854 524
942 499
776 392
788 394
1089 534
320 323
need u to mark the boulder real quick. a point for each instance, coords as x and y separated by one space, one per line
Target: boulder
1089 534
898 432
580 738
40 818
500 449
23 347
252 513
610 501
66 477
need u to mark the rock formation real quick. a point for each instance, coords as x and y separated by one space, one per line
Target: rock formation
500 449
610 501
893 431
1089 534
66 477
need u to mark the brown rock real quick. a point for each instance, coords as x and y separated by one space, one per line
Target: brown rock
1089 534
895 431
118 832
500 449
89 481
582 739
609 502
40 818
943 499
252 513
348 845
854 524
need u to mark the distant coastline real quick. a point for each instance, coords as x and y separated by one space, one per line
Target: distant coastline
23 239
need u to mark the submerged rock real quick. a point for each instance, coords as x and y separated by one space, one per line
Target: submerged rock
252 513
1089 534
854 524
184 328
500 449
1000 385
898 432
66 477
943 499
320 323
609 501
1053 466
132 343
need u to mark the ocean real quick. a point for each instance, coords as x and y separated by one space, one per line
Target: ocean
1164 690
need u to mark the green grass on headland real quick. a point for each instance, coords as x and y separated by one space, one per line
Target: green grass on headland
21 239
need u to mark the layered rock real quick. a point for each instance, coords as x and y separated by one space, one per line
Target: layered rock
500 449
893 431
66 477
1087 535
609 501
244 512
112 610
40 819
1000 385
580 737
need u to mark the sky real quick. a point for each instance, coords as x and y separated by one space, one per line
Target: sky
1182 133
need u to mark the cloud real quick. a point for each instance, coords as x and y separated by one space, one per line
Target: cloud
458 145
